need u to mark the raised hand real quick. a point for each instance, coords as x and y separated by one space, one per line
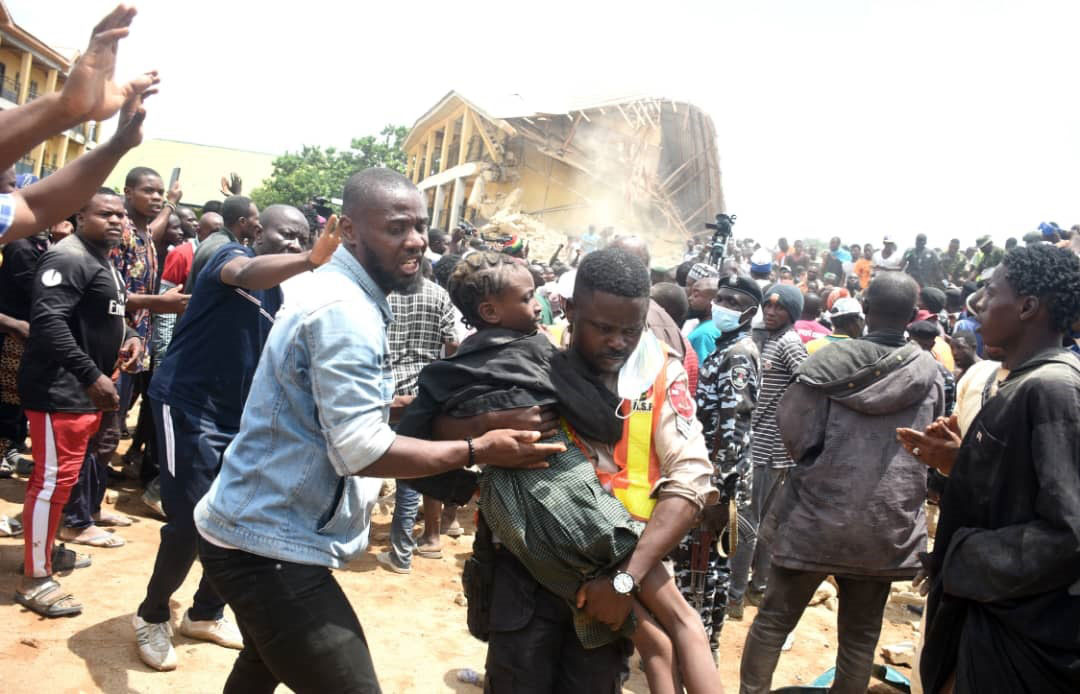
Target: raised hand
89 93
326 244
128 133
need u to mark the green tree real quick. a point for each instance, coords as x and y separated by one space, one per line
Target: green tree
300 176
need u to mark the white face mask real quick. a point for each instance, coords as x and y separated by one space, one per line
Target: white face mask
641 368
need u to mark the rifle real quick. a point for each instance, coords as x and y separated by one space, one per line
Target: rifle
721 235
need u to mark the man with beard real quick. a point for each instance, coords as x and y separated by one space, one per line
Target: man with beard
288 503
1005 597
76 332
196 398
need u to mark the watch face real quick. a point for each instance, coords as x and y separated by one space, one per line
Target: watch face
623 583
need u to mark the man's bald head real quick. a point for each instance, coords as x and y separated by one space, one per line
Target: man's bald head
890 301
635 245
366 189
209 223
673 299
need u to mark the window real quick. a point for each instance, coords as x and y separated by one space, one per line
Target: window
33 90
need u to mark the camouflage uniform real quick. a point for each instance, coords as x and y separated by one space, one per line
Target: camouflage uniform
726 396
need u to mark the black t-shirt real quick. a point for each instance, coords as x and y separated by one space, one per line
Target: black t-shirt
76 327
17 276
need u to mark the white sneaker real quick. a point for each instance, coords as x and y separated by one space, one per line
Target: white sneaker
220 631
155 643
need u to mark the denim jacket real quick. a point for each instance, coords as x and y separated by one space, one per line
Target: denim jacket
316 416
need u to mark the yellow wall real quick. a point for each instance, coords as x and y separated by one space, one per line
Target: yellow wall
201 167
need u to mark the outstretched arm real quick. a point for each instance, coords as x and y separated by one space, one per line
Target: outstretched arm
268 271
58 196
89 93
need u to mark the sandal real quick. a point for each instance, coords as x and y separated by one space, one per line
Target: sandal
429 551
9 527
112 520
48 600
64 559
103 540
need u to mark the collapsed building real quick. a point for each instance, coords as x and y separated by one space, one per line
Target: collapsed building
642 165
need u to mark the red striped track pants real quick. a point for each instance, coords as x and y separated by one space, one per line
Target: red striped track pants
59 440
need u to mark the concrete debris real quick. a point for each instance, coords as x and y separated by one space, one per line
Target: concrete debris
902 653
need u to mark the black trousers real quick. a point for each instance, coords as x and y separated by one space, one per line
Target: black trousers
191 449
858 625
299 628
532 646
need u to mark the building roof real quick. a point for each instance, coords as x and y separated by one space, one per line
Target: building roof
21 38
501 108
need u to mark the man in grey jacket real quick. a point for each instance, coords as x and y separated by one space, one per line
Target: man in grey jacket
853 505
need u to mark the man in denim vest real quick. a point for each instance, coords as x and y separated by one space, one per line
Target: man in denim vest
290 503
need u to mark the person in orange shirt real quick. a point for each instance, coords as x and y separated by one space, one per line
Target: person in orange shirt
864 266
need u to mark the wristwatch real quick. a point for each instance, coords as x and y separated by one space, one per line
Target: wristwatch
623 583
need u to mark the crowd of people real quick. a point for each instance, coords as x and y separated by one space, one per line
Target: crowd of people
650 449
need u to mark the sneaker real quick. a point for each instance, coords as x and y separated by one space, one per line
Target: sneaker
387 561
155 643
152 497
25 467
7 465
220 631
755 597
735 610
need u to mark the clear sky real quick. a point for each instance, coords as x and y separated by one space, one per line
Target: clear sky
853 118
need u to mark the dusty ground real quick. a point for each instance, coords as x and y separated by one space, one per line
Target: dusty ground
416 630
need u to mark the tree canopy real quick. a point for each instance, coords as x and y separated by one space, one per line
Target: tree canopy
314 171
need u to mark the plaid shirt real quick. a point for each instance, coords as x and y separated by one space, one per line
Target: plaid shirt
423 323
136 261
7 212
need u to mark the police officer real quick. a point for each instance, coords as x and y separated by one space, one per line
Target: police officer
726 396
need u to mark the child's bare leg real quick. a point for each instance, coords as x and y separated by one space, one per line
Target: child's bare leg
657 653
683 625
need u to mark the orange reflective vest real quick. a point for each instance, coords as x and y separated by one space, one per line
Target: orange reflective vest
635 455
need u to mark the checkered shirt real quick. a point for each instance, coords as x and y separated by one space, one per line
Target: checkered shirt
423 323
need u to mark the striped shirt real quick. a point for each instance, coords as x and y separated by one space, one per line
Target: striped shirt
780 356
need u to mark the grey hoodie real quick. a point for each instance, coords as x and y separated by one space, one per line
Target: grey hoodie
853 505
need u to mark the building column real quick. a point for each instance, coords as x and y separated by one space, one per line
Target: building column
440 198
50 81
24 77
38 155
455 203
61 157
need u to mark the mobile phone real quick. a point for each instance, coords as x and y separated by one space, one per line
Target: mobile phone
174 178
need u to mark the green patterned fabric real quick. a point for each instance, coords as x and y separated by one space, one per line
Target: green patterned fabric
563 527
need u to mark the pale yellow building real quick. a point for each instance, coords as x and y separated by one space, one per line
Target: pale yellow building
29 68
201 167
641 164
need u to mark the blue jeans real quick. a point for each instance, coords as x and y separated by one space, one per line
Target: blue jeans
406 503
190 449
